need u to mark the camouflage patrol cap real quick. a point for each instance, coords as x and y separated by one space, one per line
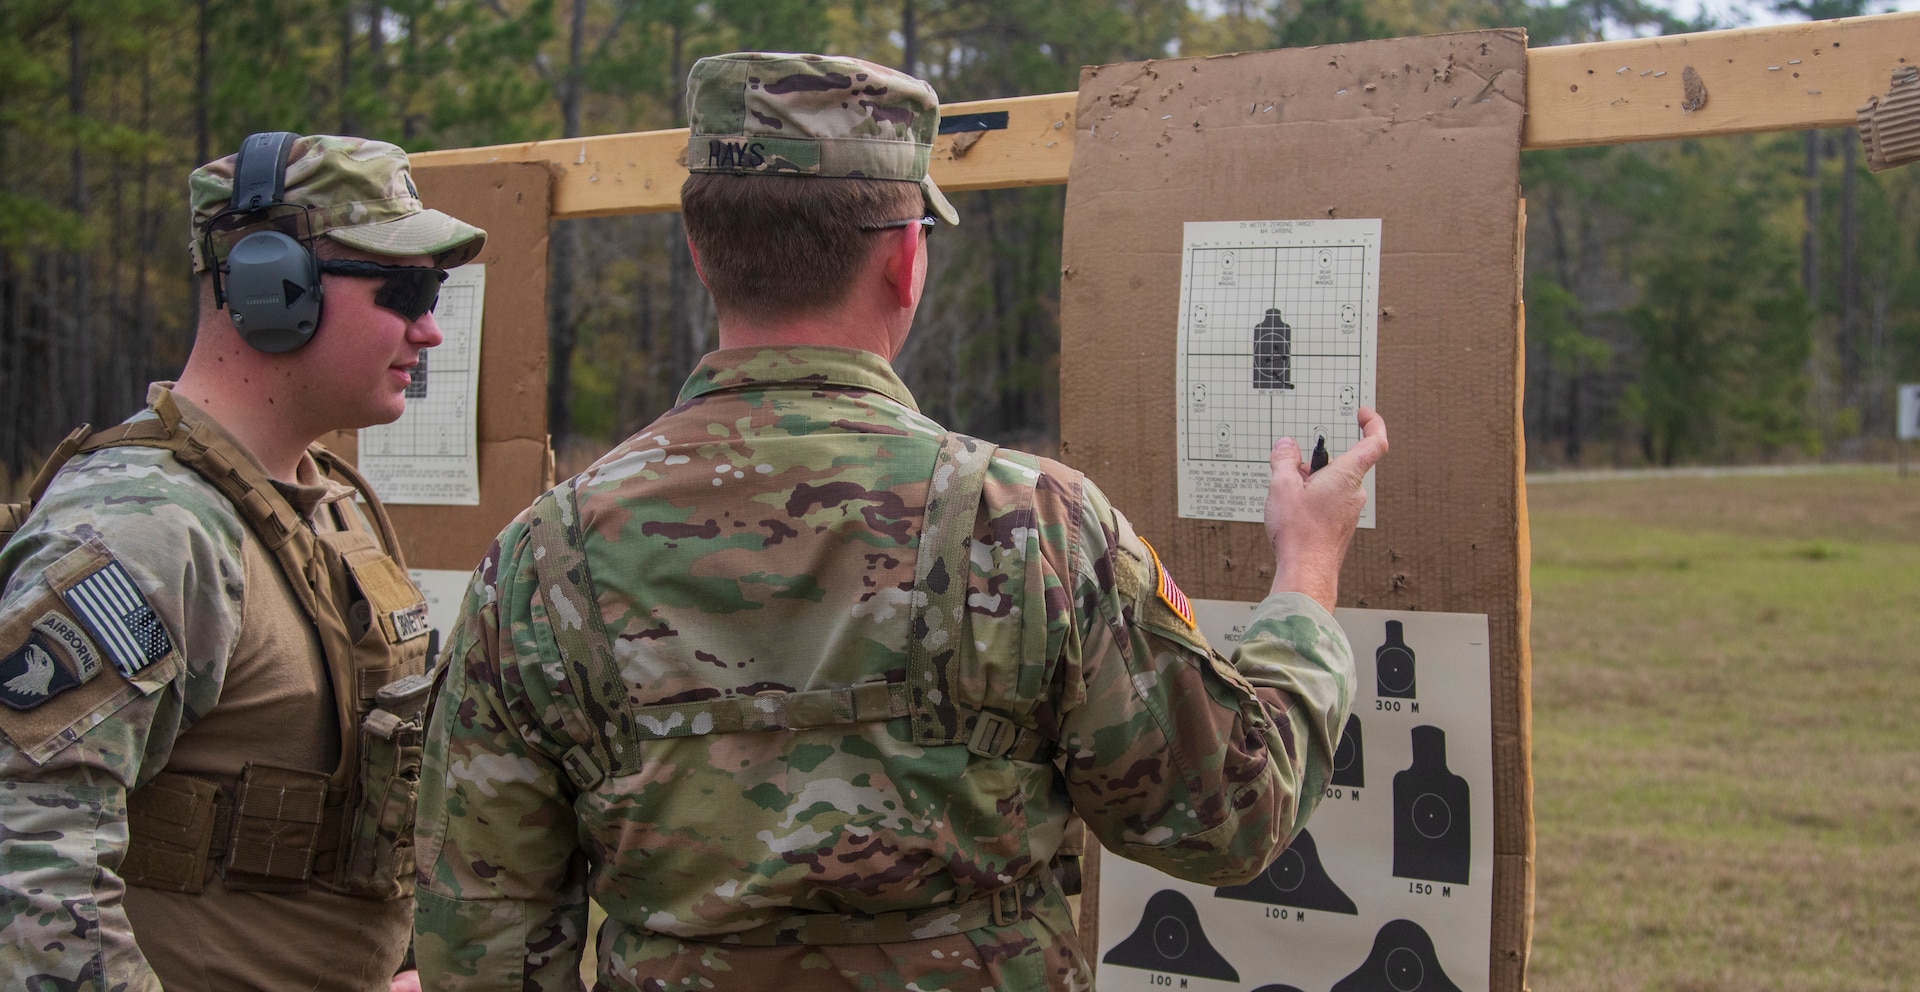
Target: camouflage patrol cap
761 113
357 192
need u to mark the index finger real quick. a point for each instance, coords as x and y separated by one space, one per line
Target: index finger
1371 447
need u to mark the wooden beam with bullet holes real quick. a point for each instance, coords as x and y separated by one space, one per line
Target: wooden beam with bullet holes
1785 77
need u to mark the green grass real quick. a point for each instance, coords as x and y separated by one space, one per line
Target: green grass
1726 734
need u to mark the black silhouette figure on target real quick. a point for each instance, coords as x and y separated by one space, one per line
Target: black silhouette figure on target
1169 939
1273 353
1276 988
1402 960
1432 835
1393 665
1350 757
1296 878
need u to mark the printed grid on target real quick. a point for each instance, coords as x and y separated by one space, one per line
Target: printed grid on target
436 421
1273 347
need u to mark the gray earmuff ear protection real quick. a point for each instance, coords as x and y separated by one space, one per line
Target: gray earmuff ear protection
272 281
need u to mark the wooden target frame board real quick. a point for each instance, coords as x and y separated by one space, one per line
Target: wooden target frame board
1423 134
512 202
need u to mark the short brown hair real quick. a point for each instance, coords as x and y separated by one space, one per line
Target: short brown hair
772 245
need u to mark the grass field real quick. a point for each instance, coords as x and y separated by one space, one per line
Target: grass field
1727 733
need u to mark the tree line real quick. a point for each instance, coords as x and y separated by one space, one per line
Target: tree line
1732 299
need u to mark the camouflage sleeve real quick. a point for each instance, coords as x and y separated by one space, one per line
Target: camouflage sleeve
1176 757
501 896
95 696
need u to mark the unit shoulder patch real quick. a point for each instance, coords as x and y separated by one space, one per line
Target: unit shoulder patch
46 658
33 675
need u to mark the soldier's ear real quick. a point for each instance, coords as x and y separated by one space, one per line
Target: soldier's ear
900 267
694 251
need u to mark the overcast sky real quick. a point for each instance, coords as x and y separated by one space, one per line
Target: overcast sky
1749 12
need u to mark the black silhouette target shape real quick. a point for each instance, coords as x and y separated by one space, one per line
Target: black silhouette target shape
1402 960
1296 878
1273 353
1169 939
1393 665
1350 757
1432 835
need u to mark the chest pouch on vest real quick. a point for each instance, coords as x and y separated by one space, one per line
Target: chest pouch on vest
386 615
277 818
378 854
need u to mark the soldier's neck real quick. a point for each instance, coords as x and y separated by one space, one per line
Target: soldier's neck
860 323
237 389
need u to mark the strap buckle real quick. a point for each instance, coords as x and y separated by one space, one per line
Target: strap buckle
993 735
581 769
1006 902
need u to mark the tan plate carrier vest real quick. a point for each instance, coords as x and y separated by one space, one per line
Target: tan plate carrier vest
928 696
283 829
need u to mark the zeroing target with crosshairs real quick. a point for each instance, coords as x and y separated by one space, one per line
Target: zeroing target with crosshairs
1272 347
1276 339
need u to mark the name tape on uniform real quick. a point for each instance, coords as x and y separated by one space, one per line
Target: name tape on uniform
410 623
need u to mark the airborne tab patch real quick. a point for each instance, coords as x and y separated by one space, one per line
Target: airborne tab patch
1168 592
118 615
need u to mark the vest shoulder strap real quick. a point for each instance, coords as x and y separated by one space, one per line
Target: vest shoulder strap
233 475
332 464
82 439
13 515
580 636
937 644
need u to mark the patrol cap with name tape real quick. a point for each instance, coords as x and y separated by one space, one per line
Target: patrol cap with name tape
769 113
356 191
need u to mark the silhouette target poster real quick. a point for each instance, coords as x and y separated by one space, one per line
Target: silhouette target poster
1389 886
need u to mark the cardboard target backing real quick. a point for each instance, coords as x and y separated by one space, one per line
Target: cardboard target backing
510 200
1424 134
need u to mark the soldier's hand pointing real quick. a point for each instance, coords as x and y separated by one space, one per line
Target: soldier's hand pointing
1311 516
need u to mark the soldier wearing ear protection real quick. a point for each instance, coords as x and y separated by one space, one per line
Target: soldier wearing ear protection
213 667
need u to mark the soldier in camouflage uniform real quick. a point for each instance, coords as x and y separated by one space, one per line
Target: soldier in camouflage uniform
803 689
198 626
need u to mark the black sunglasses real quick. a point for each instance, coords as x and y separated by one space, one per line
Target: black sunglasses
410 290
927 221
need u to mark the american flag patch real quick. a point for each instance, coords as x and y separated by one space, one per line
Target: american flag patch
1168 592
120 618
